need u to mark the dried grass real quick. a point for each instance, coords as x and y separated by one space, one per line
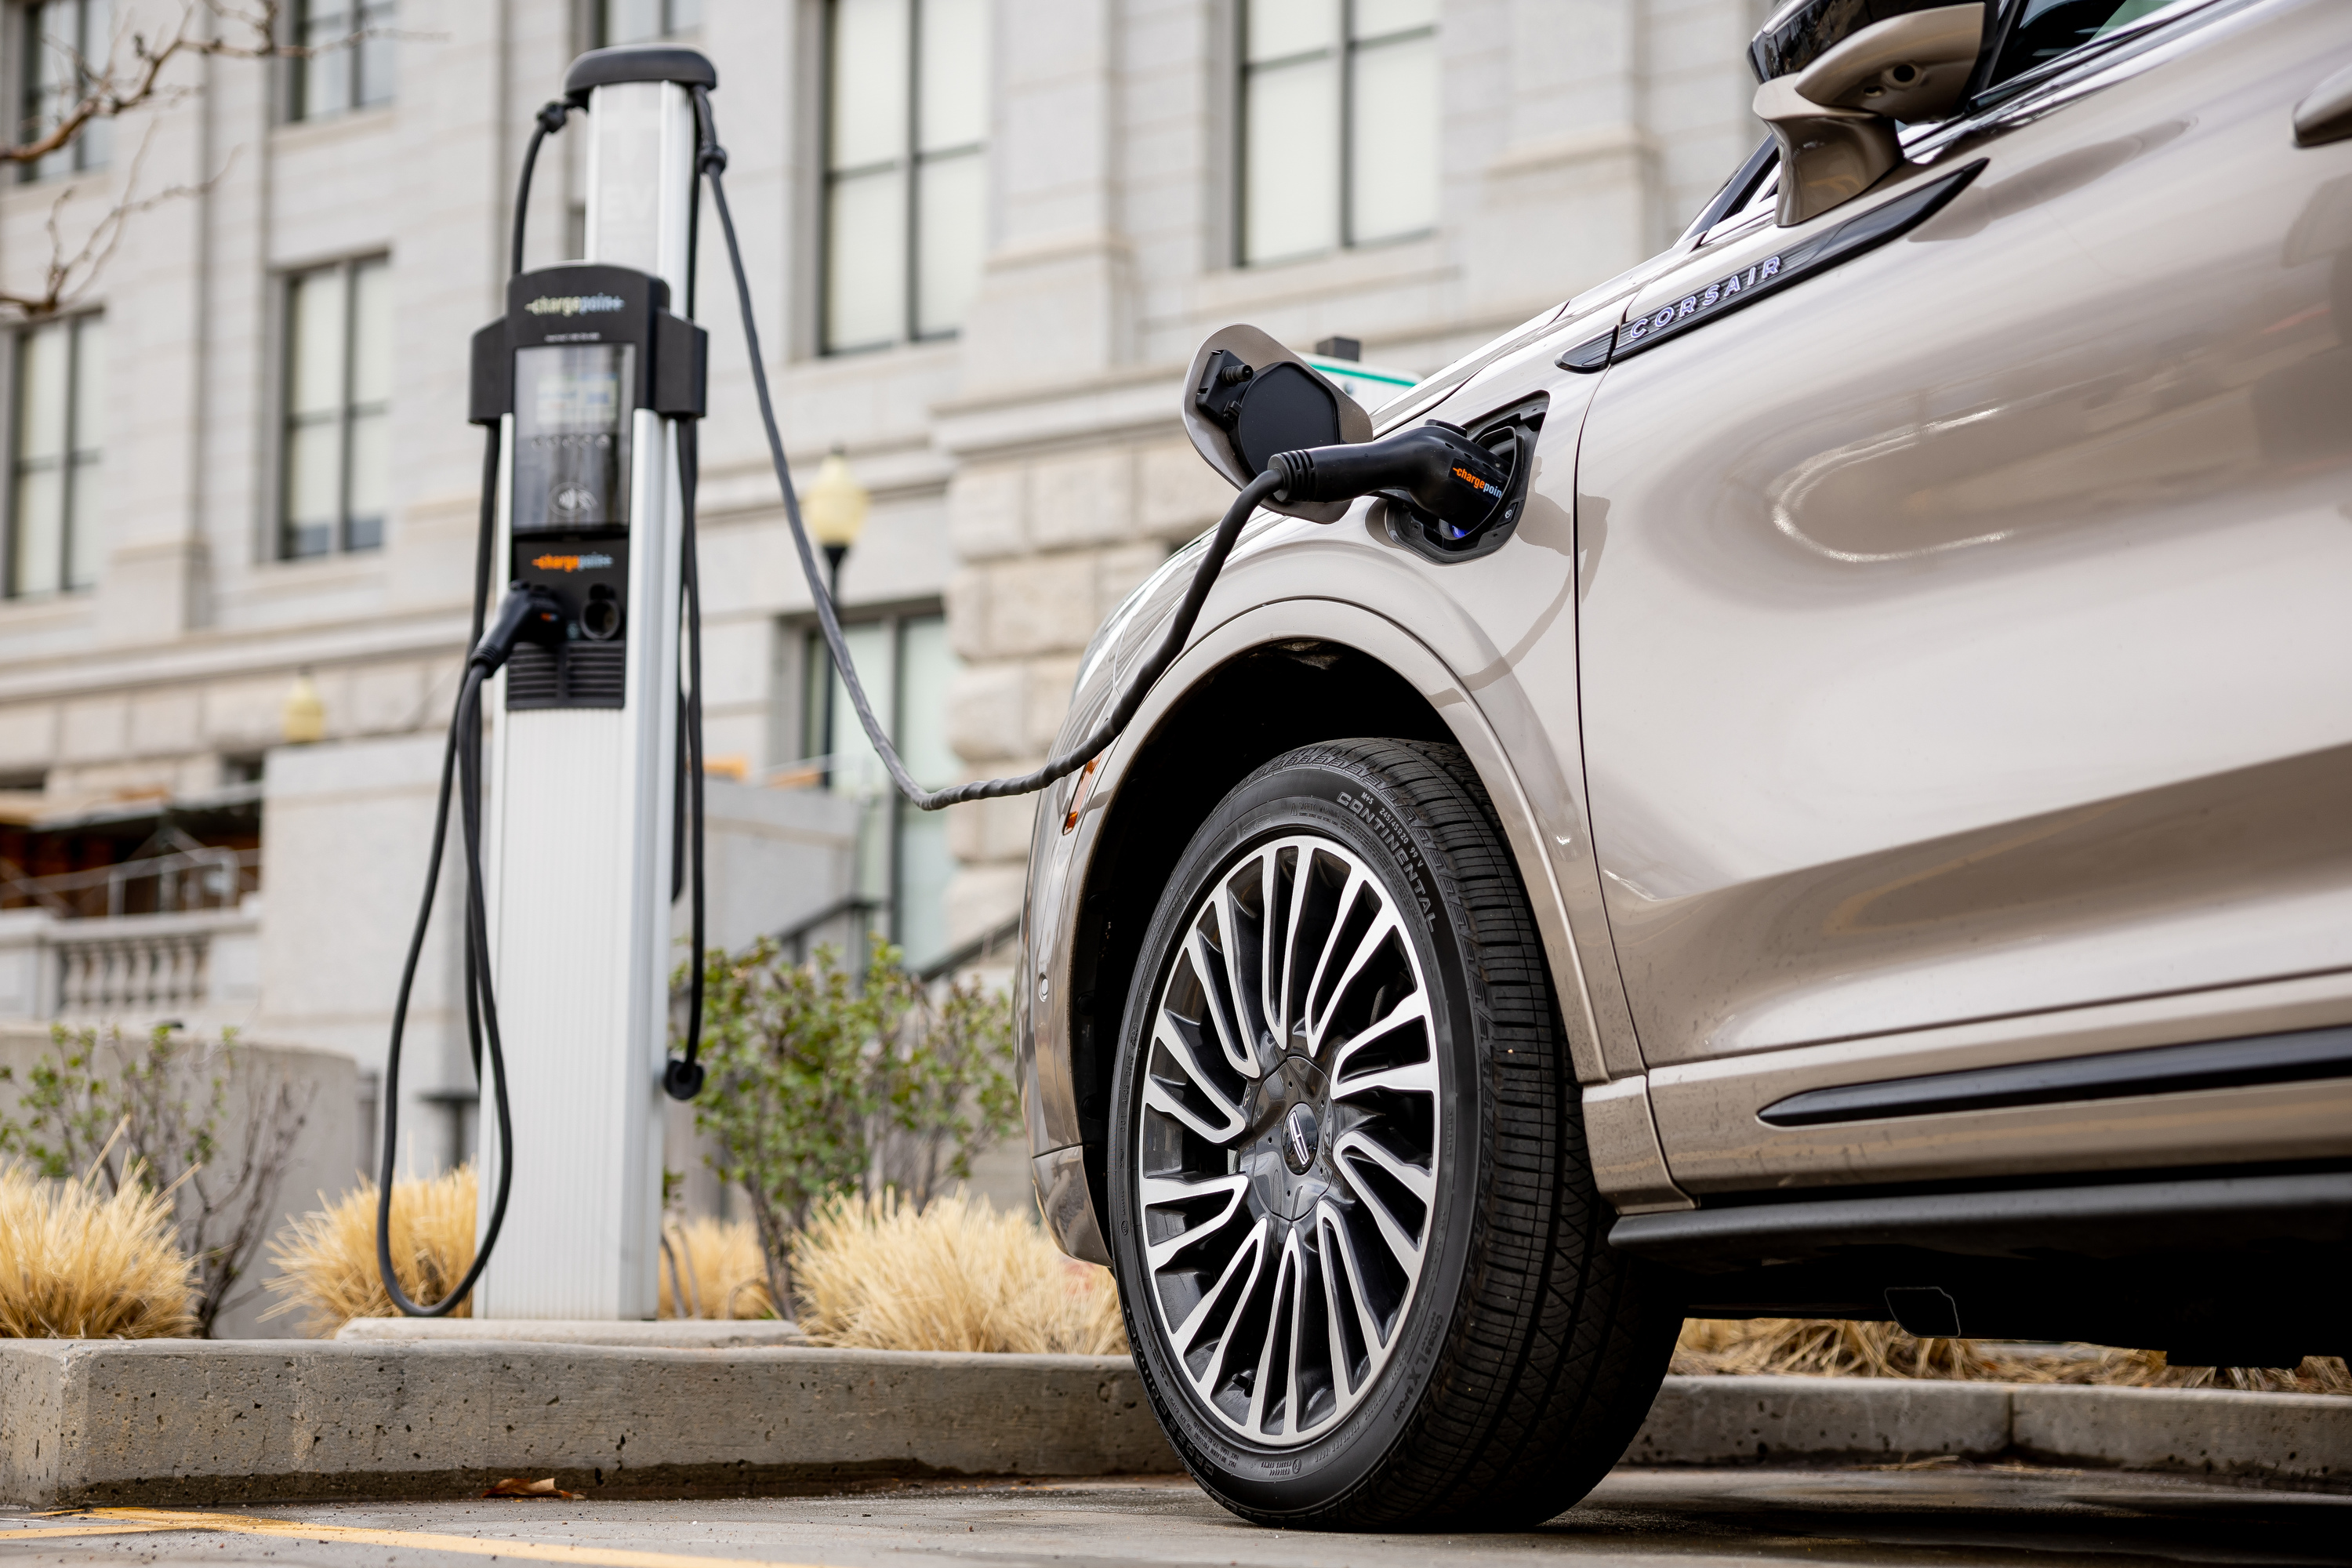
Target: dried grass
959 1275
76 1264
1826 1348
326 1260
723 1272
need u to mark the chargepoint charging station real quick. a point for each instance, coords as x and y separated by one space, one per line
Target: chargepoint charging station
585 824
581 689
580 836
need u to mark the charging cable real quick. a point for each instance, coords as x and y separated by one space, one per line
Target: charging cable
1437 467
529 613
1429 466
712 162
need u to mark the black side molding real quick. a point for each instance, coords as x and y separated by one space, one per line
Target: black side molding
2104 1220
1589 356
1863 232
2158 1069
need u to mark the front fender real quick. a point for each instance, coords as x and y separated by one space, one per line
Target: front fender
1542 822
1488 644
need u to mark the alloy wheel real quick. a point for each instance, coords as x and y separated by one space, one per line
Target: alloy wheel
1288 1151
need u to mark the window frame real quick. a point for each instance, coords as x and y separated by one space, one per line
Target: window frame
348 410
1348 47
92 147
72 325
909 161
346 57
1991 99
813 673
600 20
1745 196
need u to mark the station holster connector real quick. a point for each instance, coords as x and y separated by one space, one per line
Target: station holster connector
528 614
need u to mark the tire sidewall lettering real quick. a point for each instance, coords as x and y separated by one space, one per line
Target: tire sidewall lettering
1336 795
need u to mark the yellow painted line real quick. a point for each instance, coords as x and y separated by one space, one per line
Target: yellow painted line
124 1520
46 1531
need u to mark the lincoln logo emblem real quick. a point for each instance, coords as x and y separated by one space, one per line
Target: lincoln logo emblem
1298 1133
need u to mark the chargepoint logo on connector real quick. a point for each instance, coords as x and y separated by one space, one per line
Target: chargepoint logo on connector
575 304
570 562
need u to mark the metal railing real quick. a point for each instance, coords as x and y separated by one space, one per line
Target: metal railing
199 876
1002 935
795 939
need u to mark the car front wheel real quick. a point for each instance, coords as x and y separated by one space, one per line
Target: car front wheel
1356 1232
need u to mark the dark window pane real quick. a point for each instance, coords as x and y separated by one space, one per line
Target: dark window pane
335 483
324 80
2050 29
375 53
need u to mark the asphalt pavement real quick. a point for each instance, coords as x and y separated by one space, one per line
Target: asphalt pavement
2016 1517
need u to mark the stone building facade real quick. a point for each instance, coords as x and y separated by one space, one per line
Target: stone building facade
275 477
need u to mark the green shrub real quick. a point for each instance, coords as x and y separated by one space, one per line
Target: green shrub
826 1081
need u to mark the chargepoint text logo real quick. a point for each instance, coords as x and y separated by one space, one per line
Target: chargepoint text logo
574 304
570 562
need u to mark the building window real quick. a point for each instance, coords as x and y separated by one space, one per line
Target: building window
640 21
903 859
1339 142
906 120
338 408
352 67
64 45
53 543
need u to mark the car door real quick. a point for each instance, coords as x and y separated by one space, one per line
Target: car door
1965 646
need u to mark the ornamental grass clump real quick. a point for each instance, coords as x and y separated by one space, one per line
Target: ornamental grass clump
717 1264
326 1260
205 1124
1828 1348
877 1274
77 1262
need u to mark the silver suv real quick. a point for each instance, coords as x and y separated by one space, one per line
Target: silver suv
1861 827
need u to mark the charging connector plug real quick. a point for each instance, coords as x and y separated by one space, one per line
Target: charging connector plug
1434 466
530 613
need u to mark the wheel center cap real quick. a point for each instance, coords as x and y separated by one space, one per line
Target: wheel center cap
1301 1139
1291 1129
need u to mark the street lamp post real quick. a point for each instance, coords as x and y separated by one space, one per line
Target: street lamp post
835 506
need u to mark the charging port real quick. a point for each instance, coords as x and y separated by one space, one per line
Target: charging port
1510 435
600 618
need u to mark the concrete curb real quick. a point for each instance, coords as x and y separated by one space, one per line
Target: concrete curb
2301 1440
161 1421
165 1421
667 1333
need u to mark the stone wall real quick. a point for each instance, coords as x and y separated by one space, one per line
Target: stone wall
1049 545
324 1165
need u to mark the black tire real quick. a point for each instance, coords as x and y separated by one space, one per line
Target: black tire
1525 1357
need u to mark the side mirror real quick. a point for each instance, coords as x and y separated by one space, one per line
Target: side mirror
1247 397
1833 108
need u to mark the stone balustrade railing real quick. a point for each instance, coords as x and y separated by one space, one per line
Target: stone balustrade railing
196 966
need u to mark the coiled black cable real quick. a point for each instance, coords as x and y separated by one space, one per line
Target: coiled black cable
682 1076
461 759
461 767
712 161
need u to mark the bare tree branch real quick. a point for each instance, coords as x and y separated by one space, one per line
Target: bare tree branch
69 273
131 75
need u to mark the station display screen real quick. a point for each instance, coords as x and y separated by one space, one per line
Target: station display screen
572 408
